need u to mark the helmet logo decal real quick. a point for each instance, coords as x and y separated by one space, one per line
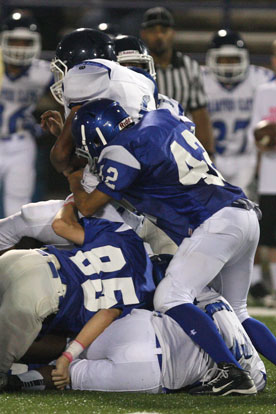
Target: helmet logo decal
125 122
102 138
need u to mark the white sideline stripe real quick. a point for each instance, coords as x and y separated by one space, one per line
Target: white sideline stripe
261 311
144 412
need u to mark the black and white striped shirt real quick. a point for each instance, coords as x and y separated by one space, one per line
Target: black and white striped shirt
182 80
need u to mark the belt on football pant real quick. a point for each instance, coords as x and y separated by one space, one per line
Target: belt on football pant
247 205
53 263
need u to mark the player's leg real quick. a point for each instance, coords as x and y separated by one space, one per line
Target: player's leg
237 170
33 220
267 244
234 282
195 264
122 358
245 169
234 335
20 175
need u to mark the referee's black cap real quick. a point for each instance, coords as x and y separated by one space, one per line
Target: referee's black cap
157 16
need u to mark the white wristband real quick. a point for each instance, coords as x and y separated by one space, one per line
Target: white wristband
75 348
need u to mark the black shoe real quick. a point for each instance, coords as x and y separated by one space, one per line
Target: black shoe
10 383
229 380
3 381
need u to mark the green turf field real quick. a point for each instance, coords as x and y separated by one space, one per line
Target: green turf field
103 403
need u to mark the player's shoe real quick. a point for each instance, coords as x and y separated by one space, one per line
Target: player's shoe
3 381
229 380
10 383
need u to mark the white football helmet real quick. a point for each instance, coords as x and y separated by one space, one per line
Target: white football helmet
20 40
228 57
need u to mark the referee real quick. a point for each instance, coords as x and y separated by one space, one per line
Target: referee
178 76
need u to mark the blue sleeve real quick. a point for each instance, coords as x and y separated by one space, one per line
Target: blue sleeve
116 177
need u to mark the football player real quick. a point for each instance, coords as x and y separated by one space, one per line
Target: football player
133 53
160 168
263 123
230 83
25 80
108 269
29 221
148 352
85 68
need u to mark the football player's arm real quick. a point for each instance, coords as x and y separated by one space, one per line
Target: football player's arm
86 203
51 121
203 129
63 150
91 330
66 225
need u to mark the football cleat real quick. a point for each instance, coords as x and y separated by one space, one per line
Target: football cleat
229 380
3 381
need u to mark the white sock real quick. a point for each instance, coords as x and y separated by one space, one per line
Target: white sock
32 381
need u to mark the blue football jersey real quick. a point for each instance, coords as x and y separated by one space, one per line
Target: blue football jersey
160 168
110 270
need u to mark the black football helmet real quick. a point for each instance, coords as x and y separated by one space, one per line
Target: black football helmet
228 44
131 51
20 26
76 47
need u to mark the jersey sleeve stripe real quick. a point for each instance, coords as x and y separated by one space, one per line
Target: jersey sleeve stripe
120 154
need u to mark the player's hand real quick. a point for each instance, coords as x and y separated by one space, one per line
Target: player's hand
51 121
60 375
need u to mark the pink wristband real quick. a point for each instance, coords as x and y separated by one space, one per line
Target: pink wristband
68 355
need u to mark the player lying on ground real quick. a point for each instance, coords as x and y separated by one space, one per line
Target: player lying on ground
148 352
109 272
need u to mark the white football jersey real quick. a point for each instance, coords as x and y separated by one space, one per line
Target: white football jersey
264 107
164 102
101 78
19 97
230 109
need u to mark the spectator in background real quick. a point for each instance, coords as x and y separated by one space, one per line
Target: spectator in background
264 109
24 82
178 76
230 82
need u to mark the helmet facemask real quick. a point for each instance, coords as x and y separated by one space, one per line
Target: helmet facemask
92 156
228 73
95 125
59 70
134 58
16 54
